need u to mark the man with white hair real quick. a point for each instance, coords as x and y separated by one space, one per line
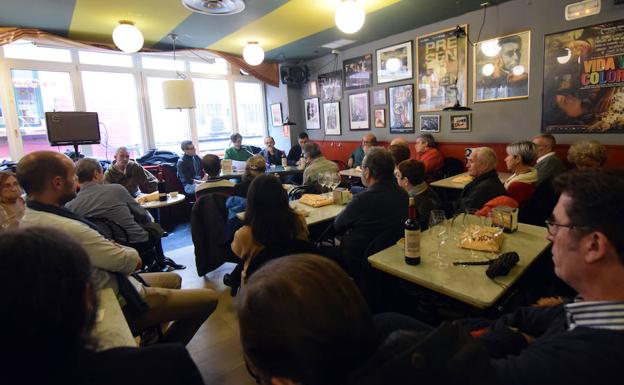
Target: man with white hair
486 185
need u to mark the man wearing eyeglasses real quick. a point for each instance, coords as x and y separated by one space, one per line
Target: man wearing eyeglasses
189 167
357 156
580 342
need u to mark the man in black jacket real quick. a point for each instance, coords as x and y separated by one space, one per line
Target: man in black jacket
381 208
486 185
189 167
294 155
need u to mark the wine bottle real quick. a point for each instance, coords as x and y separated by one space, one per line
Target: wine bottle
284 160
162 191
412 236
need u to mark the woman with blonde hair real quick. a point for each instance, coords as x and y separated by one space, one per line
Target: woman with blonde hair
11 203
521 184
587 154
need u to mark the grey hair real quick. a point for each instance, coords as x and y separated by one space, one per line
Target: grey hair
527 151
120 149
85 168
591 151
427 138
312 149
486 156
548 138
380 163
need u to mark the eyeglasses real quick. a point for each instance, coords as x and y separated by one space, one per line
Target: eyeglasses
553 227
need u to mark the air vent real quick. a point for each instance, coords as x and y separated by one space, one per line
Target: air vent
214 7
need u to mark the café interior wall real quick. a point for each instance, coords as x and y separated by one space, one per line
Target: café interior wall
292 107
495 122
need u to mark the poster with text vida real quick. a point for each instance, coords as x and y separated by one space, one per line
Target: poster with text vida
584 80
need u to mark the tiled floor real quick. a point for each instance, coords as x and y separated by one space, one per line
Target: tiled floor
215 348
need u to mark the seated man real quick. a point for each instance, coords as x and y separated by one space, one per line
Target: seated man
294 155
189 167
410 175
399 153
486 185
49 179
130 174
238 151
380 208
271 154
316 163
368 141
211 164
548 163
401 141
428 153
113 202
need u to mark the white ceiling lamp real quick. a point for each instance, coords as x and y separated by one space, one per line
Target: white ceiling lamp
127 37
178 93
349 16
253 53
215 7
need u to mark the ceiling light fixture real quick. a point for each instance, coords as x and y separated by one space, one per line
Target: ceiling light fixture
349 16
178 93
127 37
253 53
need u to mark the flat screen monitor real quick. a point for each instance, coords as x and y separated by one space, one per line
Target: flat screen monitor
72 128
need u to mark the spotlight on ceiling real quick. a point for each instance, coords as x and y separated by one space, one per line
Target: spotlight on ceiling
127 37
349 16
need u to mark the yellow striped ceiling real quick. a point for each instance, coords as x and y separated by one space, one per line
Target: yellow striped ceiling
155 18
296 19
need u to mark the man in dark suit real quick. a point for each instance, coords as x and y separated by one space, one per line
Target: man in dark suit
548 163
189 167
486 185
381 207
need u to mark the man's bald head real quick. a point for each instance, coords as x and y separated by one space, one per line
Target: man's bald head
369 139
399 141
36 170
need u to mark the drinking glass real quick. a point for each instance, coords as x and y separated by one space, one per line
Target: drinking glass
438 226
335 178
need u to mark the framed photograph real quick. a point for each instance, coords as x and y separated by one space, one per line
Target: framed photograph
358 72
379 97
401 109
441 60
380 117
394 63
461 123
312 88
430 123
358 111
312 114
583 89
501 68
331 118
276 114
331 86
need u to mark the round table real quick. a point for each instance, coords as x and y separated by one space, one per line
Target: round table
169 202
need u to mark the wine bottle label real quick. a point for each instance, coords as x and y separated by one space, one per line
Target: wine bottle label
412 243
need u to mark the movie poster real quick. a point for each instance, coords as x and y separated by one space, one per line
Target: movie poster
584 80
441 61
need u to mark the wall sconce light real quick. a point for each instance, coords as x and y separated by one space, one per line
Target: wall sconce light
349 16
127 37
253 54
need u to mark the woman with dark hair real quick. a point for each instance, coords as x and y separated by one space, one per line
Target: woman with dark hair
48 319
269 220
11 203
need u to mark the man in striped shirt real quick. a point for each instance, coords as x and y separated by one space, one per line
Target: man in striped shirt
580 342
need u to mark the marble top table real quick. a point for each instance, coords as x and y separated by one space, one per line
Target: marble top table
111 329
468 284
316 214
171 200
451 182
352 172
288 170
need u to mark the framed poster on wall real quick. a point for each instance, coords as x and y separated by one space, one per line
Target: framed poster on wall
331 118
358 72
394 63
401 109
441 60
331 86
583 82
501 68
276 114
312 114
358 111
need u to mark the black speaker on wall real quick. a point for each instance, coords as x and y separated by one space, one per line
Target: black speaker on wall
294 75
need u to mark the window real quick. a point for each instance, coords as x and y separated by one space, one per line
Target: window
25 49
250 112
170 126
105 59
158 63
213 114
113 96
212 65
4 145
35 93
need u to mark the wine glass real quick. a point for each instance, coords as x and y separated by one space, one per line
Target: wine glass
322 180
438 226
335 178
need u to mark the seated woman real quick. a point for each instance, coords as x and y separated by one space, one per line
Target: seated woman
269 221
521 184
256 165
11 202
48 320
587 154
428 153
410 175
